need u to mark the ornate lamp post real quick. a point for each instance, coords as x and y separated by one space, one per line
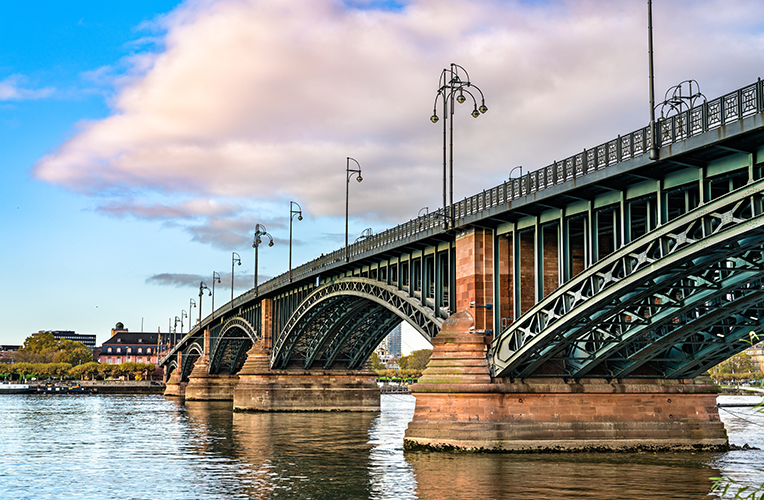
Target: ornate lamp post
350 172
454 83
215 278
191 305
235 258
292 213
183 314
202 287
259 232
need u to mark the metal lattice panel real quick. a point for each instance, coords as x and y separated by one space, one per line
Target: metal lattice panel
700 268
190 355
323 312
228 342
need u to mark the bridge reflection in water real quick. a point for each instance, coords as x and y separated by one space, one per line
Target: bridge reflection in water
601 282
359 455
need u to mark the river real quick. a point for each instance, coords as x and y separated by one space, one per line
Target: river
152 448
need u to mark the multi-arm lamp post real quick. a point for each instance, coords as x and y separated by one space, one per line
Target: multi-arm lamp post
215 278
202 287
454 83
350 172
260 231
235 258
292 213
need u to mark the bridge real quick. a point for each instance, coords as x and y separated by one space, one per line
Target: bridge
567 307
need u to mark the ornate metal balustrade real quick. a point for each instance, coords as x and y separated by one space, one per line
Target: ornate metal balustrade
671 303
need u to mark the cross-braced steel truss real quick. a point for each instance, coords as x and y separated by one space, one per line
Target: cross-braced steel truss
229 345
342 322
671 304
190 355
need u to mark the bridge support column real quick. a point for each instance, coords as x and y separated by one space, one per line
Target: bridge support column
459 406
262 389
205 387
173 386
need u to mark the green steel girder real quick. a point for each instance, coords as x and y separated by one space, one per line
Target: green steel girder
190 355
323 312
350 344
225 348
352 314
344 346
621 294
372 340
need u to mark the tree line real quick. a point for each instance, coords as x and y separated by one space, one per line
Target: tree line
45 357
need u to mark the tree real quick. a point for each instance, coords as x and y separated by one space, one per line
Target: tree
38 348
417 360
74 353
86 370
376 364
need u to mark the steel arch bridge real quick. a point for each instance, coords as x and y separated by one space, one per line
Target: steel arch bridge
603 264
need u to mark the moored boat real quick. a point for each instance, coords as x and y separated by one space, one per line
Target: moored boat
16 389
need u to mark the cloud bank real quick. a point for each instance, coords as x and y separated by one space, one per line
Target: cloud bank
252 103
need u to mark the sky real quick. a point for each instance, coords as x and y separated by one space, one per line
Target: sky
141 141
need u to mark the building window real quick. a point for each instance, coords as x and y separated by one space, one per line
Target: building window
129 359
109 361
148 350
140 350
119 349
129 350
109 349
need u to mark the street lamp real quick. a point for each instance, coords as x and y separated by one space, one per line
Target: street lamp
202 287
235 257
191 305
350 172
215 277
260 231
183 314
453 87
292 213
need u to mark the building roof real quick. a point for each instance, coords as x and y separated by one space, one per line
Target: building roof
136 339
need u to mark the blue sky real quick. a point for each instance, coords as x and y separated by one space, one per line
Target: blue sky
141 141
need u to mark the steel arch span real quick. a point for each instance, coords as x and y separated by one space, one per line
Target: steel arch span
229 346
190 355
670 304
343 321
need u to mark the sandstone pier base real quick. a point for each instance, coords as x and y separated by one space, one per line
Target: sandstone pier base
262 389
460 407
174 387
205 387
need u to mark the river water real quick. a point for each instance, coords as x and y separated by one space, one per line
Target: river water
149 447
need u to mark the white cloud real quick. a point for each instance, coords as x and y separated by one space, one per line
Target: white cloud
11 89
269 98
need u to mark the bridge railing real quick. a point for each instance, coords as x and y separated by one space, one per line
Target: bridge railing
695 121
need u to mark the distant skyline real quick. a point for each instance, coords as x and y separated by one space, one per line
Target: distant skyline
142 141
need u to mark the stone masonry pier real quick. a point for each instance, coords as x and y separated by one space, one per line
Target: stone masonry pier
460 407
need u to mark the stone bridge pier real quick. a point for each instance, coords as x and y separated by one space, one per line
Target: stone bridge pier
460 406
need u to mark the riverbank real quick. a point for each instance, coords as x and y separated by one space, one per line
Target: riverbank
124 386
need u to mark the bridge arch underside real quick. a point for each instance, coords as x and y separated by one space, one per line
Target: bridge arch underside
341 324
230 343
669 305
192 353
